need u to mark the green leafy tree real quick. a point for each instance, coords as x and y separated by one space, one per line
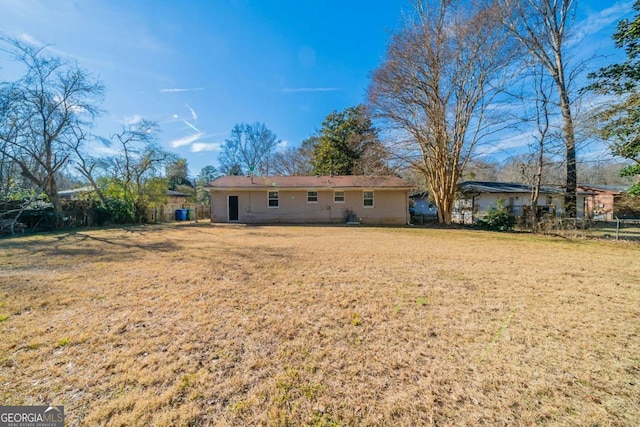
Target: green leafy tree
177 174
619 121
206 175
348 144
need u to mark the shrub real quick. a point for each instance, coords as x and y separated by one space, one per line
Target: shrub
497 218
117 211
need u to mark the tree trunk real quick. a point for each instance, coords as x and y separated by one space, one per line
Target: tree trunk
536 194
51 190
568 131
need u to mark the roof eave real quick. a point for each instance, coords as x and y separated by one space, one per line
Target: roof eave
303 188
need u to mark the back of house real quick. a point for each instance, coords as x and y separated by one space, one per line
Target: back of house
310 199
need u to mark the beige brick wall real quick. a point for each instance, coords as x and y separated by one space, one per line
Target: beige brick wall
390 207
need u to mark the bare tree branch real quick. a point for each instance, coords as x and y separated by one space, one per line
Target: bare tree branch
435 86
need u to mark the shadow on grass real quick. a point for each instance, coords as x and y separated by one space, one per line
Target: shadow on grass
81 242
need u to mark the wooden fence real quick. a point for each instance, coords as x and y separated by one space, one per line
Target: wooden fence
167 212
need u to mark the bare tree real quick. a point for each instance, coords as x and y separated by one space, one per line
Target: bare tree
543 125
481 170
295 160
436 84
43 113
249 150
134 173
87 165
542 28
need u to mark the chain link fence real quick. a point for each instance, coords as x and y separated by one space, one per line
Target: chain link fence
616 230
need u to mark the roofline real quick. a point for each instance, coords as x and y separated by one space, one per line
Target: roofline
306 187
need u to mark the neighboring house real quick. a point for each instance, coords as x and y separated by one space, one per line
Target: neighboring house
422 206
166 212
601 203
177 197
76 193
476 197
310 199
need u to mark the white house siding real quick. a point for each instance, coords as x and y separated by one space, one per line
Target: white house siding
390 206
513 201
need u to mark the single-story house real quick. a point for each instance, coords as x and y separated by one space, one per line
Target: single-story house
166 211
310 199
177 197
76 193
476 197
601 202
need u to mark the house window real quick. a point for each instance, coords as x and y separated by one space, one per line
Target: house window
338 196
312 197
367 199
272 197
549 200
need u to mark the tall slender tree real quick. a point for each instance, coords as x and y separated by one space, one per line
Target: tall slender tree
542 27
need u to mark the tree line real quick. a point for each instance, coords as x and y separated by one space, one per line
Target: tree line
455 77
346 144
46 118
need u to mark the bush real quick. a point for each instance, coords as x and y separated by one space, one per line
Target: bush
497 218
117 211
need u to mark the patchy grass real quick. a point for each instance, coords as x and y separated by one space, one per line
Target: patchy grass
322 326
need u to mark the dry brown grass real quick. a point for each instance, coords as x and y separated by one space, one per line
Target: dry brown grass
321 326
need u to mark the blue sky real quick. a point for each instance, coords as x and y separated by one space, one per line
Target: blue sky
199 67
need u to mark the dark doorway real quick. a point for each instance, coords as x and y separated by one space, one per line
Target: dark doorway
233 208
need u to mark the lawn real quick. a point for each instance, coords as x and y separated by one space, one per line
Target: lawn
209 325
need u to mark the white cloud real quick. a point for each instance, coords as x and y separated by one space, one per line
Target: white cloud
191 126
33 41
205 146
132 120
599 20
309 89
169 90
194 116
181 142
519 140
28 38
102 149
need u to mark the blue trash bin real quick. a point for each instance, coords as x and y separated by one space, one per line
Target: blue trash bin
181 214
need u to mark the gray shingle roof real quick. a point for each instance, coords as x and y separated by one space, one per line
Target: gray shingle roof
503 187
